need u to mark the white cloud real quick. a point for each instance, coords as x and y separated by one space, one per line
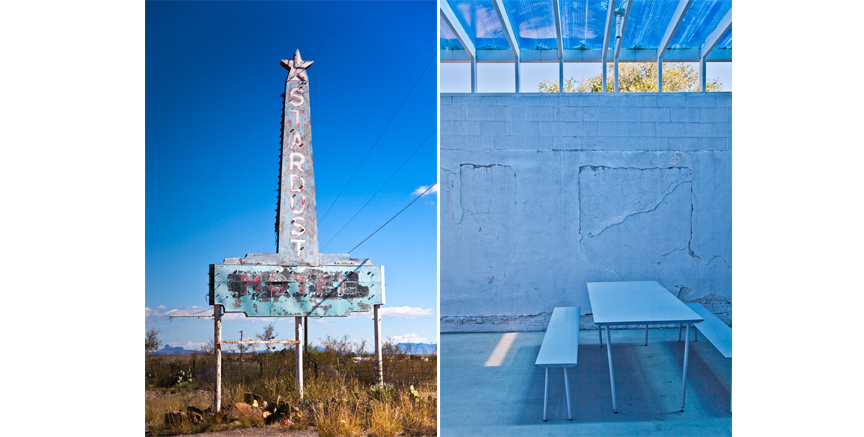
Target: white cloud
406 311
161 307
423 188
410 338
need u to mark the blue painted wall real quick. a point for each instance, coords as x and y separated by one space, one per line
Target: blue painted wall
542 193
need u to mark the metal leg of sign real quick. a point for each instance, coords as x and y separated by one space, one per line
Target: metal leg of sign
567 388
679 333
217 350
545 393
611 372
686 354
298 335
600 334
379 374
646 335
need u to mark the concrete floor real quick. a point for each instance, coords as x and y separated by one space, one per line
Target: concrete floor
485 393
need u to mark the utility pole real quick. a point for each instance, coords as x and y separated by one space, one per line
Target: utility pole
242 346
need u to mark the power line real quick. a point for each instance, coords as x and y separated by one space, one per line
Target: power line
391 219
376 141
382 187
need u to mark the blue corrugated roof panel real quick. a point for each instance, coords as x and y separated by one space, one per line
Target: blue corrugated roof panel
583 23
480 21
449 41
647 23
533 23
701 19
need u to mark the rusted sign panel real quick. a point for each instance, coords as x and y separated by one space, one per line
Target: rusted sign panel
297 221
283 291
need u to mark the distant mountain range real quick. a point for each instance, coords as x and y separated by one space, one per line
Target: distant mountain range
168 350
418 348
413 348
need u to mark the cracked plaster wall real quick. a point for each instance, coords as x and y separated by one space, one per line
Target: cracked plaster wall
541 194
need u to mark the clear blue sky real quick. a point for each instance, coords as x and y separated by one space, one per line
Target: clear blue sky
213 111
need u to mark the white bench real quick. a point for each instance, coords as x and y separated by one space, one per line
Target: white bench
560 347
713 329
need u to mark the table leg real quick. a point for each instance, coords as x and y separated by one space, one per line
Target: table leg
611 372
567 387
686 355
545 393
646 335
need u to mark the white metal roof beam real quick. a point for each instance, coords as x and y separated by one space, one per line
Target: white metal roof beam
457 28
557 11
610 22
619 41
677 17
462 36
610 26
508 28
511 36
721 29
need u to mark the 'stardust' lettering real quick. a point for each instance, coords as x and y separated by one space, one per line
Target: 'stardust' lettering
297 140
298 245
296 163
297 225
294 188
296 113
296 94
302 205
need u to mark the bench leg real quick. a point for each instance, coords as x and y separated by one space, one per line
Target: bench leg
611 372
545 394
646 335
567 388
686 354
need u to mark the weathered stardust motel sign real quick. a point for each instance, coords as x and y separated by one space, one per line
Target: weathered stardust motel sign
296 281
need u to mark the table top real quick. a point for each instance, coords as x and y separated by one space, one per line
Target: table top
560 346
637 303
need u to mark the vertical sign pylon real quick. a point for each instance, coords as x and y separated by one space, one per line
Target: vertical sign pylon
298 221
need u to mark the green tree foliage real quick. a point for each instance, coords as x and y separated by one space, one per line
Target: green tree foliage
151 341
635 77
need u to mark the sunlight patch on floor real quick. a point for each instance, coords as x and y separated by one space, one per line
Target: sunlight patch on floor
501 350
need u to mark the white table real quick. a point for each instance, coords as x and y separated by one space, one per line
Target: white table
638 303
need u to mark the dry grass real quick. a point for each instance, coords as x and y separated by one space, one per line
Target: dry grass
340 397
159 402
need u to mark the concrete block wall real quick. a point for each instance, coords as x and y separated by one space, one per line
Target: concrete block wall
542 193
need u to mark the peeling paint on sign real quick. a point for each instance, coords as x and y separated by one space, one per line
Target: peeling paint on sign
320 291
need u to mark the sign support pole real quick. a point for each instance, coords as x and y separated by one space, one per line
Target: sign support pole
379 374
217 352
298 335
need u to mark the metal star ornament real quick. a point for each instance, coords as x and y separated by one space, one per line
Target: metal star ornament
297 67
